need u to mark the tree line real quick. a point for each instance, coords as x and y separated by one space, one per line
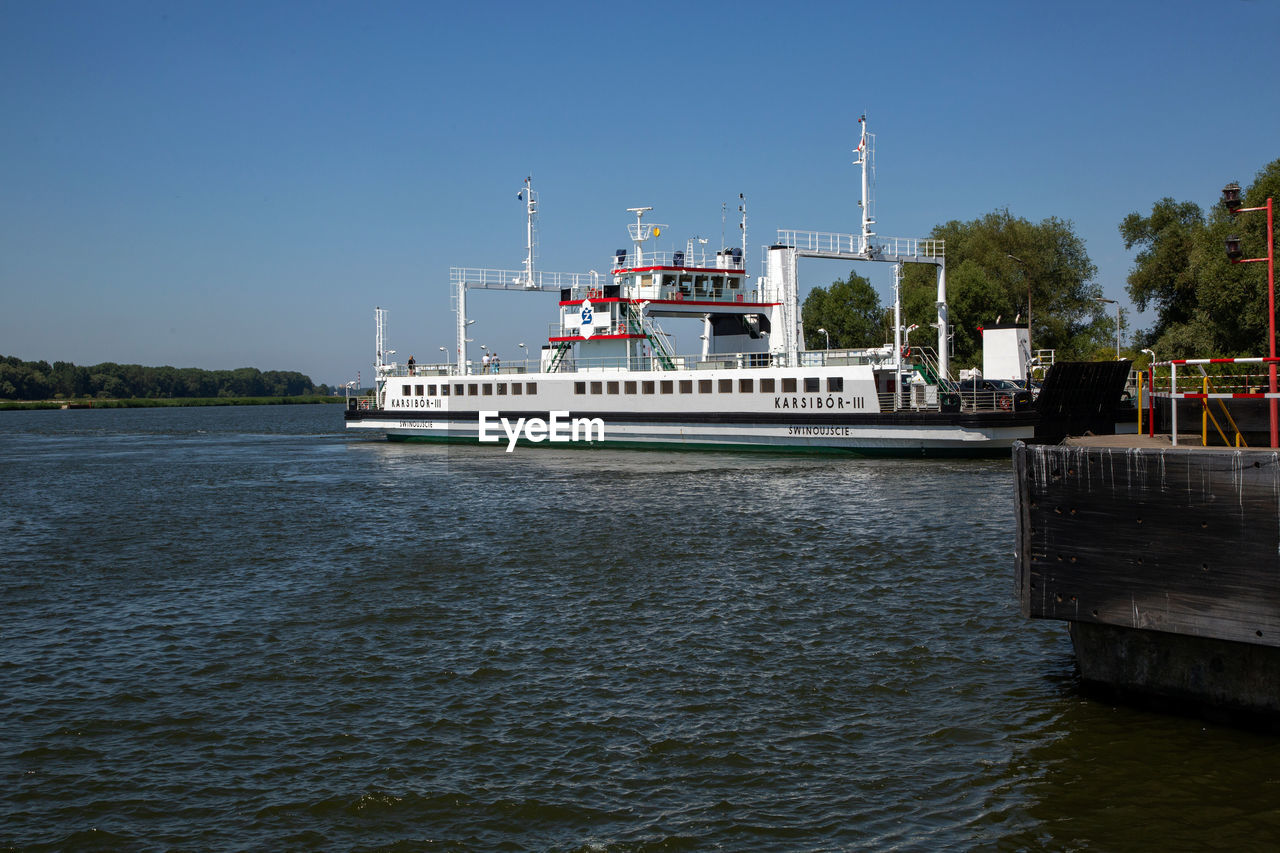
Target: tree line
1003 267
39 380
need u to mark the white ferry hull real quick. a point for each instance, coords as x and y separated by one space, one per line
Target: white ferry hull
848 420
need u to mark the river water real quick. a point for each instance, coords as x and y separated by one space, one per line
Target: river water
241 629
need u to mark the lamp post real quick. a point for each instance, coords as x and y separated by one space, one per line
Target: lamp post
445 350
1023 264
526 356
1105 301
824 331
1231 198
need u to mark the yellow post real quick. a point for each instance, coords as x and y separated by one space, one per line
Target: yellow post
1204 416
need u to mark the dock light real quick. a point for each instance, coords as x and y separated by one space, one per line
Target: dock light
1231 196
825 332
1233 248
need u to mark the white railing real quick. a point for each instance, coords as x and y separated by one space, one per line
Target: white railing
494 279
702 261
852 244
394 370
655 361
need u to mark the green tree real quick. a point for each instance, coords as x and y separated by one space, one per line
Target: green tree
1205 305
1002 267
849 310
1163 277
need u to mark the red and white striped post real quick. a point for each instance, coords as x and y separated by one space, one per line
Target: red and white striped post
1231 198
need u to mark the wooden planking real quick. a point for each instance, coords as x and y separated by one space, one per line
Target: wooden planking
1169 540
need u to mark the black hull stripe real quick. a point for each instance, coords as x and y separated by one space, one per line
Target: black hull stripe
780 418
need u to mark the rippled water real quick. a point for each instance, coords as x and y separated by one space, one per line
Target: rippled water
239 628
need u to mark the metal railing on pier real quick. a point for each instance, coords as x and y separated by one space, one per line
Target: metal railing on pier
1211 380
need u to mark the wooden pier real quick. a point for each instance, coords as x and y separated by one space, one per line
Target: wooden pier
1165 563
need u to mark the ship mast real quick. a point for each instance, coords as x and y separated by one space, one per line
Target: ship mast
530 199
866 154
641 232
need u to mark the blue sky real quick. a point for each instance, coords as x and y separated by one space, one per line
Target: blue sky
228 184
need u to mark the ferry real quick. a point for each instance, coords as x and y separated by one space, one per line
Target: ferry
609 376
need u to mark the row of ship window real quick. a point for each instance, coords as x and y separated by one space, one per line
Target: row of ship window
787 385
474 389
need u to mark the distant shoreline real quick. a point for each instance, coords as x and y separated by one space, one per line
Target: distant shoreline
159 402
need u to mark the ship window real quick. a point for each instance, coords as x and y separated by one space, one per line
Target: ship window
726 386
473 389
733 283
686 386
646 387
835 383
766 386
417 390
667 386
488 390
431 390
744 386
404 389
531 387
459 390
597 387
789 385
444 390
517 389
502 389
579 387
613 388
812 385
704 386
629 388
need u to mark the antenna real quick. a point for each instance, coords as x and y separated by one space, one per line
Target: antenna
742 208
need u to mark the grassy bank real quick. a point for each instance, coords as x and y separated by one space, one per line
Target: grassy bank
147 403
